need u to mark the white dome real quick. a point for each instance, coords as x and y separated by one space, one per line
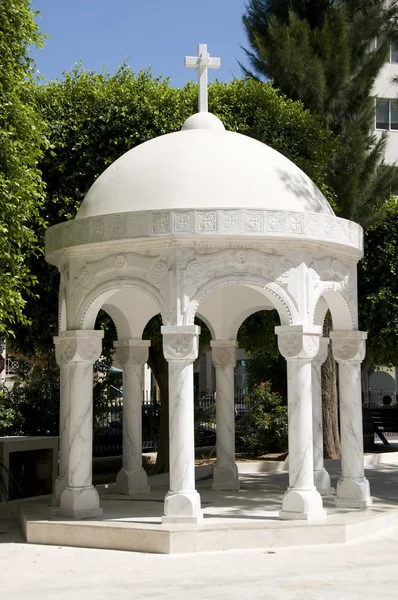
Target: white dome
201 167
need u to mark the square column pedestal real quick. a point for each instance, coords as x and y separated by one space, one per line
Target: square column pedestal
182 502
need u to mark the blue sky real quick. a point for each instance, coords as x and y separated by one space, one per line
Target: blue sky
146 32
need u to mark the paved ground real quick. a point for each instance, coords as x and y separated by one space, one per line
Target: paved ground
362 570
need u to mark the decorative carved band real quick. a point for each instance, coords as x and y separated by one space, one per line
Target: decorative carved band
177 223
297 342
181 342
223 353
132 352
349 346
78 347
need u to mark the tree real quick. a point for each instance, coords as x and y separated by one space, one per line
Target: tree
328 55
92 119
378 290
21 143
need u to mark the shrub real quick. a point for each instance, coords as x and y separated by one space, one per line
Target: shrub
264 427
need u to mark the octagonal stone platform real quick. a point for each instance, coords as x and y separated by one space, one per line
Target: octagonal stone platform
244 519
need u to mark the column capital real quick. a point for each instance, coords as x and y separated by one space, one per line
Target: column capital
322 352
82 346
180 342
298 342
131 352
223 352
349 346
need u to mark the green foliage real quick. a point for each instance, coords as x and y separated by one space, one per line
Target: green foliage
324 54
21 142
32 405
378 288
264 427
257 336
9 417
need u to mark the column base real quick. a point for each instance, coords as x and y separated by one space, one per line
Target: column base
322 483
302 505
353 493
182 507
61 483
80 503
131 483
225 478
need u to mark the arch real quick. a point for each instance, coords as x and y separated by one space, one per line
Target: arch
112 294
208 323
329 298
273 295
241 318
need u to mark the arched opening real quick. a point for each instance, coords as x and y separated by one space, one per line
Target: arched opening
340 310
246 314
332 311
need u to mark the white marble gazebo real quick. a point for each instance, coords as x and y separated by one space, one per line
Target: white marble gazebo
209 223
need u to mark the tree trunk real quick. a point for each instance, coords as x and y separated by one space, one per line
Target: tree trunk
365 366
160 368
331 437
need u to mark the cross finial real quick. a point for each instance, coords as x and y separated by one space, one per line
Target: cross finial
201 63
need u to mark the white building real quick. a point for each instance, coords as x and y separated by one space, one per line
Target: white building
386 93
386 122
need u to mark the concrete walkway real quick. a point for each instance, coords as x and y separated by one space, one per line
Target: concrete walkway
356 571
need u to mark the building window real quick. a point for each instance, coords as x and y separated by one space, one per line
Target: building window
393 54
387 114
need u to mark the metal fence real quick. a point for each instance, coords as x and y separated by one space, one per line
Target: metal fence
108 424
374 398
108 421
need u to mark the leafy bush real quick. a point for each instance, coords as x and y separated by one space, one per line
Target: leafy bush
264 428
31 406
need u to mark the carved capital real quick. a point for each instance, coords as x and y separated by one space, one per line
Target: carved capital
78 346
348 346
322 352
131 352
223 353
180 342
298 343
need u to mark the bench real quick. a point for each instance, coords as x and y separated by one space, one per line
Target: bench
385 420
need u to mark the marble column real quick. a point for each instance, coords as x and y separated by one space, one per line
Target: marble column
132 356
321 476
80 349
180 347
225 475
299 345
64 375
349 351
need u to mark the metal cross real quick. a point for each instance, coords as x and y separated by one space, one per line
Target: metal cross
201 63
